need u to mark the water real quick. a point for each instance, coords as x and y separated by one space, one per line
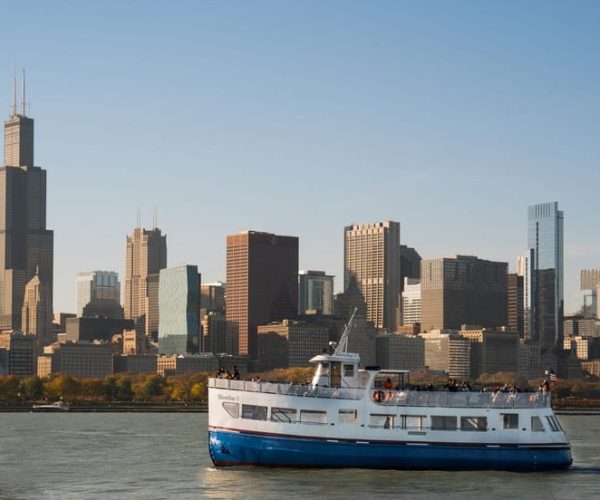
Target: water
145 456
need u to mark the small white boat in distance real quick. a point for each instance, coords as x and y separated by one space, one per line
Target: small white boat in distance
58 406
351 417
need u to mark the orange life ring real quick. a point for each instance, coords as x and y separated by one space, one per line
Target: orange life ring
378 396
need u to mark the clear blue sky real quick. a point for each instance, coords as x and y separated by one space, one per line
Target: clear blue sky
302 117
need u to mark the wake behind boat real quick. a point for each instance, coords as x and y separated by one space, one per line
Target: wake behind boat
351 417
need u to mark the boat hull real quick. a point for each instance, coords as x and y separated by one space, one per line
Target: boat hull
241 448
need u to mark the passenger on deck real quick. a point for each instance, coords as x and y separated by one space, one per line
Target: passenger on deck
388 383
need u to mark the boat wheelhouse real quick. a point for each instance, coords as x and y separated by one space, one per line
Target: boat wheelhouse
352 417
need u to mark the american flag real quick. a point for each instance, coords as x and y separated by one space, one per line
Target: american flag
553 377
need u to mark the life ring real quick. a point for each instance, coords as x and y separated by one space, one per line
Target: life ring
378 396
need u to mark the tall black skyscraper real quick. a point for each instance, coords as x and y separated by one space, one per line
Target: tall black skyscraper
26 246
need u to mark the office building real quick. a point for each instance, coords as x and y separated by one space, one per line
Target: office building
146 255
411 302
82 360
290 343
22 351
447 351
97 285
361 339
589 285
179 304
212 297
515 303
545 238
372 258
400 352
492 351
135 363
345 303
463 290
315 292
95 329
262 285
26 246
214 332
36 316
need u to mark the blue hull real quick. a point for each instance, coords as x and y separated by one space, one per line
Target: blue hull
233 448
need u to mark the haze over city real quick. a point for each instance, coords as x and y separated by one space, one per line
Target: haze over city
301 119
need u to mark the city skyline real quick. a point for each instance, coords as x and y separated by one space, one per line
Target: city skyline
415 111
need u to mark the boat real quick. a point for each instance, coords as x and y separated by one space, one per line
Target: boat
57 406
353 417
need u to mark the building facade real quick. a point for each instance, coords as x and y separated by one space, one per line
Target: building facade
26 246
262 285
372 258
515 303
212 297
411 302
545 238
179 304
315 292
146 255
463 290
36 316
400 352
104 285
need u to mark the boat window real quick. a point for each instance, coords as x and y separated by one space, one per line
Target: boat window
552 424
254 412
412 422
477 424
336 374
536 424
388 381
348 370
557 423
313 417
510 420
443 423
347 416
382 421
286 415
232 408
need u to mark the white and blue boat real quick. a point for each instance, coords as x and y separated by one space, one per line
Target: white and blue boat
370 418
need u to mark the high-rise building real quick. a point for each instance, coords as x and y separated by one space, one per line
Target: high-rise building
26 246
411 302
449 352
463 290
214 332
400 352
146 255
212 297
315 292
410 263
372 258
589 279
515 303
589 286
492 351
103 285
179 303
262 285
37 310
545 237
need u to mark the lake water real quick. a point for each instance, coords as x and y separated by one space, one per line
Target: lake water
161 455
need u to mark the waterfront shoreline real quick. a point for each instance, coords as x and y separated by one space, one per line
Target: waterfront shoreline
109 409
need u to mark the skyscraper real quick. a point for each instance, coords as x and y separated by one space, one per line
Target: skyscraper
146 255
545 237
463 290
179 304
96 285
372 257
37 310
26 246
315 292
262 285
515 303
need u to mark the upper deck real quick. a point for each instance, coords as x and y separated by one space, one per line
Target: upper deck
391 397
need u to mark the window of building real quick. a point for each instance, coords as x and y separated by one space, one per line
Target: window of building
347 416
232 408
510 420
443 423
477 424
253 412
313 417
381 421
536 424
286 415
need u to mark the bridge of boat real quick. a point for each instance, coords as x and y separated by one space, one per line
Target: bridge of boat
389 397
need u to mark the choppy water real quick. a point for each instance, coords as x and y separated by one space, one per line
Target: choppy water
144 456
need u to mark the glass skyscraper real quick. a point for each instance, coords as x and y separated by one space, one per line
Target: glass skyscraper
545 239
179 310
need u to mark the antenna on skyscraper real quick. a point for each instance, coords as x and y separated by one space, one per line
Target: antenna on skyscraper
154 217
13 106
23 102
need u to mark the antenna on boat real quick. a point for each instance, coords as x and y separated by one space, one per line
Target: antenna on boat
342 346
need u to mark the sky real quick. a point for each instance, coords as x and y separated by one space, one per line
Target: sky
300 118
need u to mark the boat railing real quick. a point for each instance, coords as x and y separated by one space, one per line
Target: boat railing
446 399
